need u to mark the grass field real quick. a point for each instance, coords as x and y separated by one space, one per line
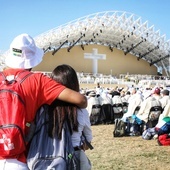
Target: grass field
126 153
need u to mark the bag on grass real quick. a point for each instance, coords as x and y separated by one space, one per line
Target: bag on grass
132 127
164 126
12 115
46 153
119 129
165 129
148 133
137 120
164 140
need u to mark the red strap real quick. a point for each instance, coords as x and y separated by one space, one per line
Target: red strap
20 77
2 77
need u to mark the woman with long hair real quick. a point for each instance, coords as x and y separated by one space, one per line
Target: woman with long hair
77 119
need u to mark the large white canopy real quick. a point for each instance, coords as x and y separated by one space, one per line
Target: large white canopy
115 29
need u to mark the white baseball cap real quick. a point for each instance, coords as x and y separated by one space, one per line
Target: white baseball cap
24 53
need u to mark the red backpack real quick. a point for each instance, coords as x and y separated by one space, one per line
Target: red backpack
164 140
12 115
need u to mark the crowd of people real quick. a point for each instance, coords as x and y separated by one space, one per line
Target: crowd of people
136 102
69 103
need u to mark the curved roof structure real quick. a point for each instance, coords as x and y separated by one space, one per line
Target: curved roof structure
115 29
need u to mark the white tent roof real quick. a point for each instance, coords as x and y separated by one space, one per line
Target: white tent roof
115 29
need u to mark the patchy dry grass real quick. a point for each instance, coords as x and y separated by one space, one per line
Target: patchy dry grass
126 153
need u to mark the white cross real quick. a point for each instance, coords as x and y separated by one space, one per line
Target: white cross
7 143
95 57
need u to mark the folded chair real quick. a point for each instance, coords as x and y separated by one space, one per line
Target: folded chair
125 107
118 110
95 114
153 116
107 115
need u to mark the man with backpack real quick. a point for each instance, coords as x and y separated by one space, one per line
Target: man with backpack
21 95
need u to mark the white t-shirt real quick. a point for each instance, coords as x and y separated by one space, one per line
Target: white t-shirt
84 126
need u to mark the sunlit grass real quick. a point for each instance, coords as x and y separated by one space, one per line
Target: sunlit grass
126 153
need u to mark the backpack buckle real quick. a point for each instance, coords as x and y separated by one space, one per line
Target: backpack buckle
5 82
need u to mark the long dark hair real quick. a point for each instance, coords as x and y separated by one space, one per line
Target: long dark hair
62 111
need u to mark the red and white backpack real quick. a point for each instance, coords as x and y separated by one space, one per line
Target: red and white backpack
12 115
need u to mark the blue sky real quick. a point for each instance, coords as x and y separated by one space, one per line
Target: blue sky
37 16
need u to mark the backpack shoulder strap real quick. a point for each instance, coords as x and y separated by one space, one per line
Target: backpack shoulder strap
2 77
40 121
41 118
20 77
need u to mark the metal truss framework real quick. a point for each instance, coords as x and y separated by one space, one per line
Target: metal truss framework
115 29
